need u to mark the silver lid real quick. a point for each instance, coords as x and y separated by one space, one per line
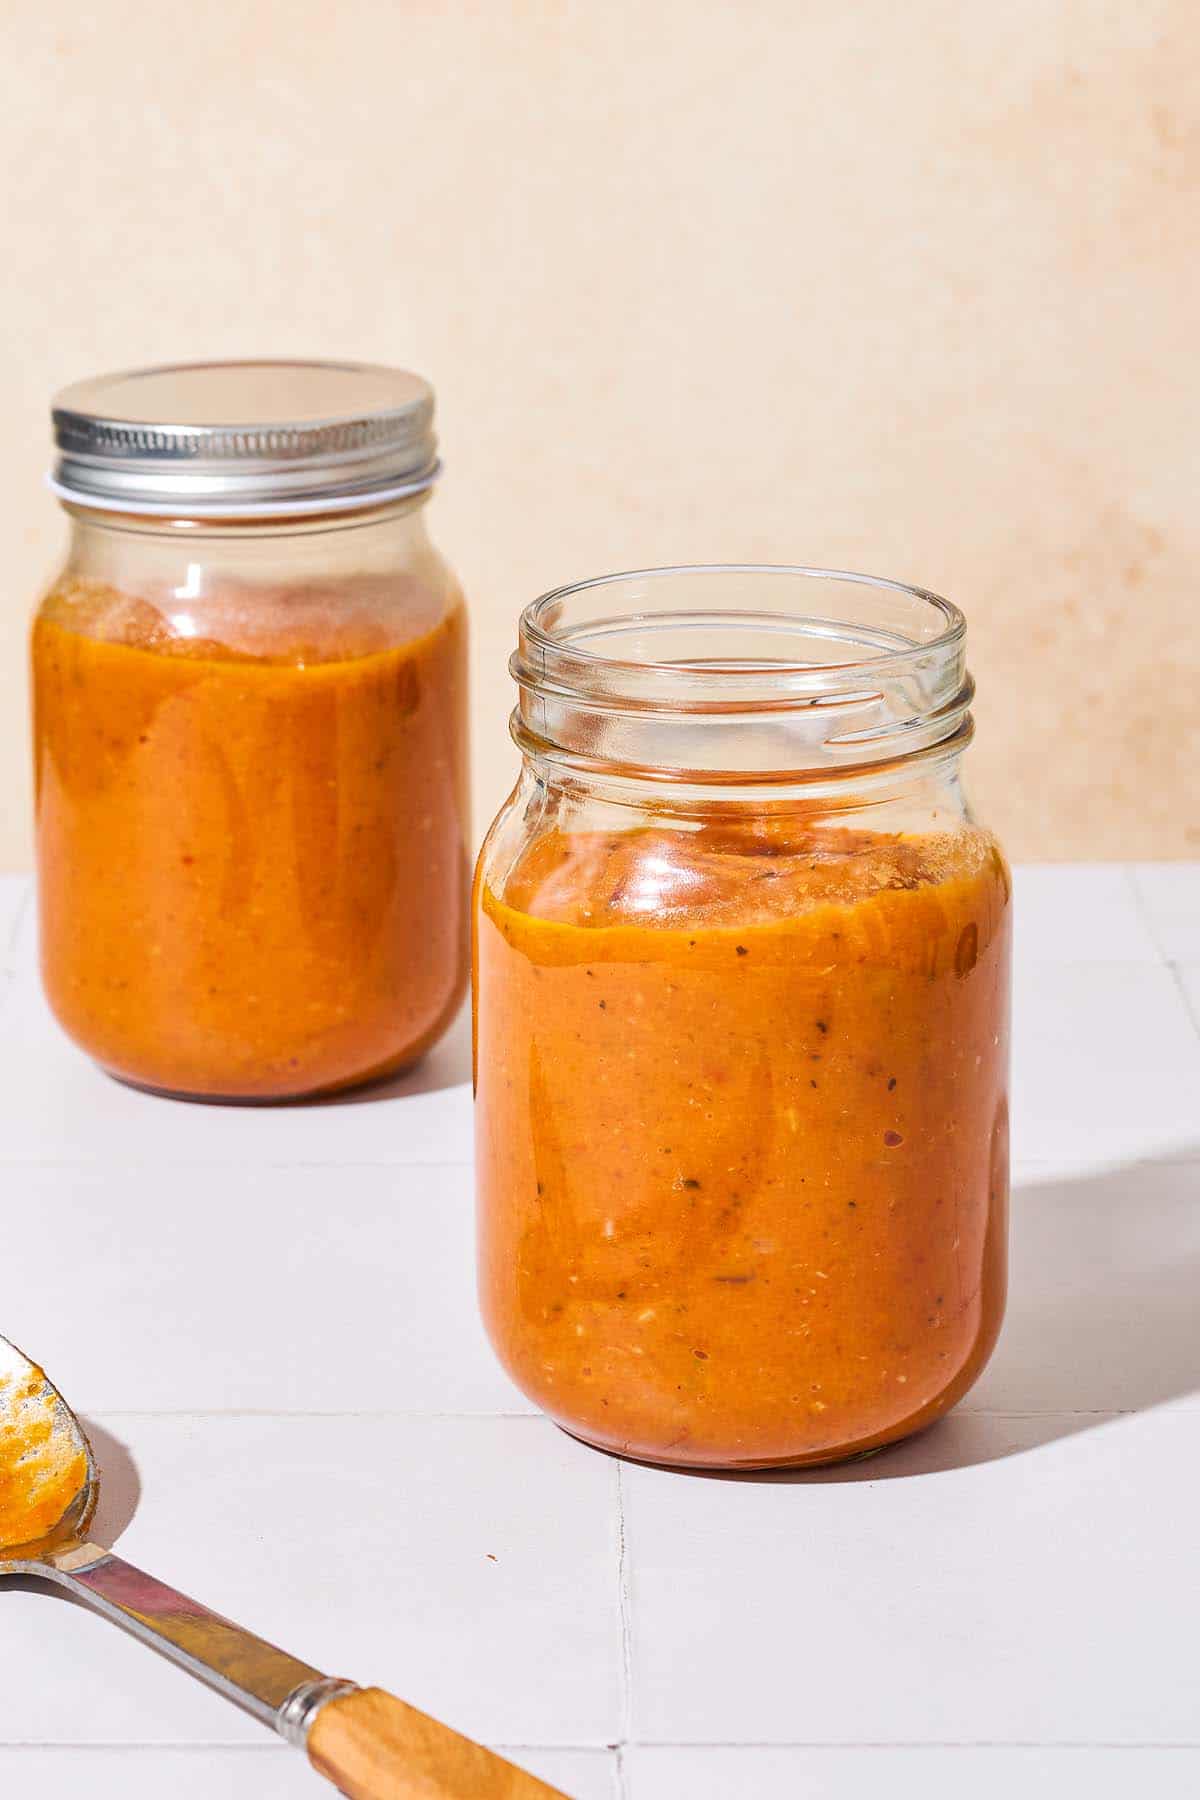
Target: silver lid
244 439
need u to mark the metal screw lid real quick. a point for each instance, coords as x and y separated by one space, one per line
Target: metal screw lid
244 439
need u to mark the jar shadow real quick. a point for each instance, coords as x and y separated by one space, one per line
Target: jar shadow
447 1065
1101 1323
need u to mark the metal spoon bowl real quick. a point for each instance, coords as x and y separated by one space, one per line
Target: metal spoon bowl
371 1745
48 1480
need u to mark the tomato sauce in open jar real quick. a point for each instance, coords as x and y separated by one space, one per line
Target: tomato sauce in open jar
742 995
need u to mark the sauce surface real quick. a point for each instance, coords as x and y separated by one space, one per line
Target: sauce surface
41 1466
252 861
742 1133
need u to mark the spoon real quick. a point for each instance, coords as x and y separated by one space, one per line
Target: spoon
371 1745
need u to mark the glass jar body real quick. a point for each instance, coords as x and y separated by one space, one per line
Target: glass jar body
250 773
742 1136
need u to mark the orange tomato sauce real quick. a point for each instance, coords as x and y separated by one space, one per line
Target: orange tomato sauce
252 861
41 1468
742 1134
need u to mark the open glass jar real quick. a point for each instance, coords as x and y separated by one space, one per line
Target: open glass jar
249 692
742 991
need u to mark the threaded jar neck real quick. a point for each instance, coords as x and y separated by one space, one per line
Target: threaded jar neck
740 674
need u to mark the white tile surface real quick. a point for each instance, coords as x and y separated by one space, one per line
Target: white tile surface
1104 1293
1106 1065
271 1311
1079 912
722 1773
54 1104
585 1774
14 896
266 1772
362 1546
1170 899
270 1289
14 903
1002 1581
1187 976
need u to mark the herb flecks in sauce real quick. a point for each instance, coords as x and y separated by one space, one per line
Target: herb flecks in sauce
813 1231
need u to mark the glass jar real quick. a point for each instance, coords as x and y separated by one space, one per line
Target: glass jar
249 693
742 993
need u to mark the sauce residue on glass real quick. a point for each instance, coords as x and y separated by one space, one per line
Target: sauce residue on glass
42 1466
252 844
742 1133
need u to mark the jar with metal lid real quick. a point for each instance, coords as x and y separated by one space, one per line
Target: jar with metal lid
741 987
249 699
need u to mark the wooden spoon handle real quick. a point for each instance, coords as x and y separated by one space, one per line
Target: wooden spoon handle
374 1747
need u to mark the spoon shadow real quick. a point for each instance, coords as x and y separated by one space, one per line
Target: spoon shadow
120 1484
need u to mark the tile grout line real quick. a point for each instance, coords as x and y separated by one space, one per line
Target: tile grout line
625 1601
1140 907
963 1410
1040 1169
1172 964
1192 1011
246 1163
9 964
276 1747
379 1414
16 929
917 1744
270 1746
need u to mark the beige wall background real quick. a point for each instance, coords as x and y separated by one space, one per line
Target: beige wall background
905 288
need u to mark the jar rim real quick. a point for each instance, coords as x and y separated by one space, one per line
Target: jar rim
534 629
695 675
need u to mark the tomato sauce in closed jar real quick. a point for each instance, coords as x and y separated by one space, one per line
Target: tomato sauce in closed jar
742 963
249 691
